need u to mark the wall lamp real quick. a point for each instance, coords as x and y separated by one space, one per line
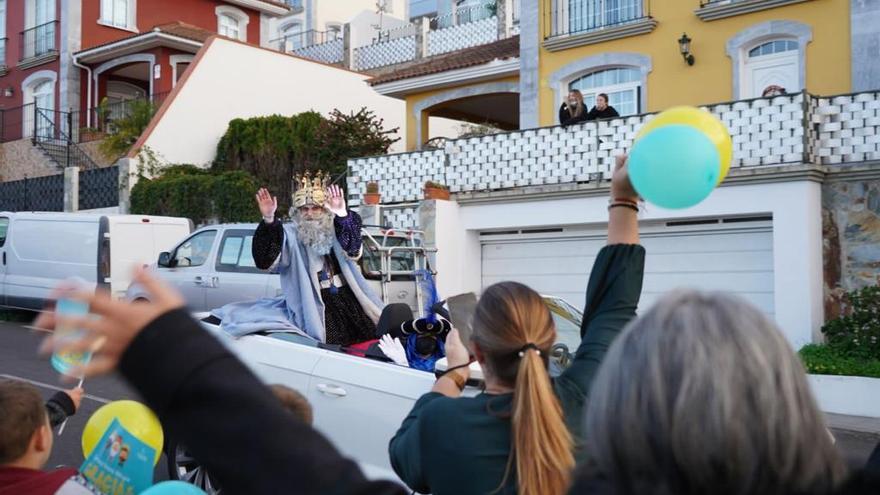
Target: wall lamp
8 92
684 45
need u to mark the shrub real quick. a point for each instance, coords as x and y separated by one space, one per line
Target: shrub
436 185
828 360
857 332
200 195
275 148
372 187
125 131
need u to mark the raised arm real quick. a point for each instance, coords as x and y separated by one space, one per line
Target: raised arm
269 237
347 223
615 284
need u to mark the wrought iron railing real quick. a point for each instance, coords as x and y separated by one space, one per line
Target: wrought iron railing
98 122
566 17
465 15
296 41
51 133
39 41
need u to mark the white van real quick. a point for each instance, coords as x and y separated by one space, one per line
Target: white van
38 250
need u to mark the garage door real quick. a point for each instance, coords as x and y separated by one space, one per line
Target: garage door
731 255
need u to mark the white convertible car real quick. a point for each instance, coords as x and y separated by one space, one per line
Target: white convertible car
358 402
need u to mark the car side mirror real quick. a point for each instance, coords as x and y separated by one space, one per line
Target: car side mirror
164 259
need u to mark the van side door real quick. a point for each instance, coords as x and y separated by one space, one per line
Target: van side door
236 276
4 229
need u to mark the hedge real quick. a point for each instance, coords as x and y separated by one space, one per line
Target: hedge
824 359
200 195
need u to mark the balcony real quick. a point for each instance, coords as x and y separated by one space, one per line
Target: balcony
38 45
711 10
571 23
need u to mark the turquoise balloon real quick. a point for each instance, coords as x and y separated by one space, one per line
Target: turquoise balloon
674 166
173 488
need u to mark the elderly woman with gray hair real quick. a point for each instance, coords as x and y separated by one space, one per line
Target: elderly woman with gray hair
703 395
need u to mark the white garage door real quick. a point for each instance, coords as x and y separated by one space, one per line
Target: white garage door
730 255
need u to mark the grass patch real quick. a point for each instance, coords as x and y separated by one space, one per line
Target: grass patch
823 359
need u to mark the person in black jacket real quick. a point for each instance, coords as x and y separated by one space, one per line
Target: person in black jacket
602 110
190 380
572 111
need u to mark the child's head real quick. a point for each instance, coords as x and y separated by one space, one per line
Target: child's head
25 434
294 402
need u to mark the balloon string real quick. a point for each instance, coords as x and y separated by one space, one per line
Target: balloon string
64 423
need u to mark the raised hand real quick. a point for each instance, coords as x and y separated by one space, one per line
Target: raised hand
336 201
267 203
621 187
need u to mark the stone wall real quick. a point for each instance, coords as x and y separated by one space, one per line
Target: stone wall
851 235
91 148
20 159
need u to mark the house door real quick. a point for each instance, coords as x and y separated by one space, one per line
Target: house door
772 63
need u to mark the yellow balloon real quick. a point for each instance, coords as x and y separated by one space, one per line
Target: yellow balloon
135 417
705 122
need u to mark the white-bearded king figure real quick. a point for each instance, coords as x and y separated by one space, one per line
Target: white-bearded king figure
324 293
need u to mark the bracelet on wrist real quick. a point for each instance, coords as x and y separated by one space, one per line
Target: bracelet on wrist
624 205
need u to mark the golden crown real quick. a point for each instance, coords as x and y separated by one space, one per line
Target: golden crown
309 190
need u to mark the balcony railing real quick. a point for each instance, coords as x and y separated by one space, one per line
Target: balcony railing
296 41
567 17
39 41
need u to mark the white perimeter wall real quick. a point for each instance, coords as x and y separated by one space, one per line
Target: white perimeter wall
234 80
797 239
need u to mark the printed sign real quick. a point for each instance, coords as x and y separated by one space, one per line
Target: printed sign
120 464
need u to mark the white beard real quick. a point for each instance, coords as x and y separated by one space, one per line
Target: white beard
318 234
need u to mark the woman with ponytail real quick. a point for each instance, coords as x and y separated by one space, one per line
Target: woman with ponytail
523 434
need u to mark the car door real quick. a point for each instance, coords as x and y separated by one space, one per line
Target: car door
236 276
4 228
190 269
359 403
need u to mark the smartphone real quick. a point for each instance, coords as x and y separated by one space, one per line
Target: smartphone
461 313
66 362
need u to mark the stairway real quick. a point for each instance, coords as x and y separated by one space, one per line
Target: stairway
57 145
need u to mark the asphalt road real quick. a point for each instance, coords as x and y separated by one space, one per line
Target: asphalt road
19 360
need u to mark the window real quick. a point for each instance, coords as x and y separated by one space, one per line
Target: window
4 227
621 84
771 63
195 250
2 32
232 22
292 37
119 13
584 15
236 253
229 27
771 47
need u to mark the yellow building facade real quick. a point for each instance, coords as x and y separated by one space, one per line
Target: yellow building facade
631 50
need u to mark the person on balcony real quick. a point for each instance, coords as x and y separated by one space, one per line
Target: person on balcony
602 110
572 111
325 296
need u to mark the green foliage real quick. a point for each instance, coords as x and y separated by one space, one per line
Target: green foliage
857 333
275 148
201 195
829 360
125 131
372 187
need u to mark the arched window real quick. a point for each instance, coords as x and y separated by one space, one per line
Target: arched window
622 85
292 37
771 63
232 22
39 90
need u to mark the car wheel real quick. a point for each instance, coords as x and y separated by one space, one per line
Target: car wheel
184 467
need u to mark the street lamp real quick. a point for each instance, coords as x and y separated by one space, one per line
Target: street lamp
684 45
